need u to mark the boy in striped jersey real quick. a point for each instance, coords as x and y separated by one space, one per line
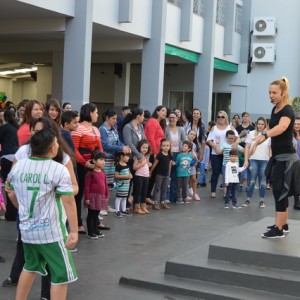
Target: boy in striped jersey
41 189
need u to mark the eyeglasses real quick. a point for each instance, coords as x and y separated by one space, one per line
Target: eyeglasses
221 117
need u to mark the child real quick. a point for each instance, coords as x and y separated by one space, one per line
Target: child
232 171
42 190
69 122
183 165
192 137
225 149
203 166
141 179
122 176
162 165
96 195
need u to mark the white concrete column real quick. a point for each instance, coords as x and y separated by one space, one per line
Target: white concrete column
122 81
153 59
77 55
204 70
57 75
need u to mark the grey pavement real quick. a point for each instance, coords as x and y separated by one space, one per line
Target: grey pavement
141 243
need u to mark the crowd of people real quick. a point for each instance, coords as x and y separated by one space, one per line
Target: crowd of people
151 161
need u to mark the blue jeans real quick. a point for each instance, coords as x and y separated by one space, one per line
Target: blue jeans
231 193
202 176
257 169
216 164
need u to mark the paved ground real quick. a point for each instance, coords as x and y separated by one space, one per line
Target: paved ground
141 242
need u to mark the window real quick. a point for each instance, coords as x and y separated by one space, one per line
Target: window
221 12
181 99
238 19
175 2
198 8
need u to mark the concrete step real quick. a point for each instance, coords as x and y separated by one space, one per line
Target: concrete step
156 280
245 246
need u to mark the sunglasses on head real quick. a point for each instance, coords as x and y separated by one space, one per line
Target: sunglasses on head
221 117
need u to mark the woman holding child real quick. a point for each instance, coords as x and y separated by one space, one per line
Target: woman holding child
216 136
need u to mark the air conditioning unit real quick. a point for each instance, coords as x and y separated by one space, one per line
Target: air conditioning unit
263 53
264 26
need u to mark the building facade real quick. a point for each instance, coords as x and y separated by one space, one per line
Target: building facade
209 54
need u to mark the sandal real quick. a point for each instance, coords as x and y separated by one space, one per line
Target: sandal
103 227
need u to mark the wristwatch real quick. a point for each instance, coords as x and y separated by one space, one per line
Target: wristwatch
265 134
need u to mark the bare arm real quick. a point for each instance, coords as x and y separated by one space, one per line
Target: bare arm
12 196
70 168
70 208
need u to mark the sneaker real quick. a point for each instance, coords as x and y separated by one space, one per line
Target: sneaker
226 206
236 206
92 236
285 228
100 218
273 233
99 234
180 202
186 201
198 185
262 204
246 204
196 197
110 210
8 282
74 250
118 214
103 213
203 184
167 201
126 213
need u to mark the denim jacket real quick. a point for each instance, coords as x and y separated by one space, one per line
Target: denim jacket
110 141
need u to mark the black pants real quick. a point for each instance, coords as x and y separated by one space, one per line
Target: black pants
92 221
81 172
140 186
11 211
152 178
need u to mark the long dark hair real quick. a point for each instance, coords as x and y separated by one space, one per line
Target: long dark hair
131 116
162 122
9 117
55 103
200 125
63 146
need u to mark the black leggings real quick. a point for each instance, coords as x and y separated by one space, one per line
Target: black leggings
81 171
92 221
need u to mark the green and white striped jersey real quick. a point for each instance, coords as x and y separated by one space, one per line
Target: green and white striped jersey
38 184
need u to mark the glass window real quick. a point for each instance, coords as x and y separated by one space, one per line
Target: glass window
221 12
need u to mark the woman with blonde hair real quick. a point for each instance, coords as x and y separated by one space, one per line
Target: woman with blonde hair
283 168
256 158
217 136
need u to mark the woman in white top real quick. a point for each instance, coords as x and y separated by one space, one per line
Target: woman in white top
216 136
176 135
257 157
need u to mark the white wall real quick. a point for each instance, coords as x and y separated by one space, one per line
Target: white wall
107 13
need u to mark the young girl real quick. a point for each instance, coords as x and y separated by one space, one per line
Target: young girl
183 166
141 178
96 195
122 176
162 165
192 137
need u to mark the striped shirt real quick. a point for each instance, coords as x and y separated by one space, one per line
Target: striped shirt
122 184
36 183
86 140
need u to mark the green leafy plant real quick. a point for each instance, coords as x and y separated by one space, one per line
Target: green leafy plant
296 105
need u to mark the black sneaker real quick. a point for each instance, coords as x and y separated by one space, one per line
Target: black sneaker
126 213
99 234
8 282
285 228
92 236
273 233
203 184
118 214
